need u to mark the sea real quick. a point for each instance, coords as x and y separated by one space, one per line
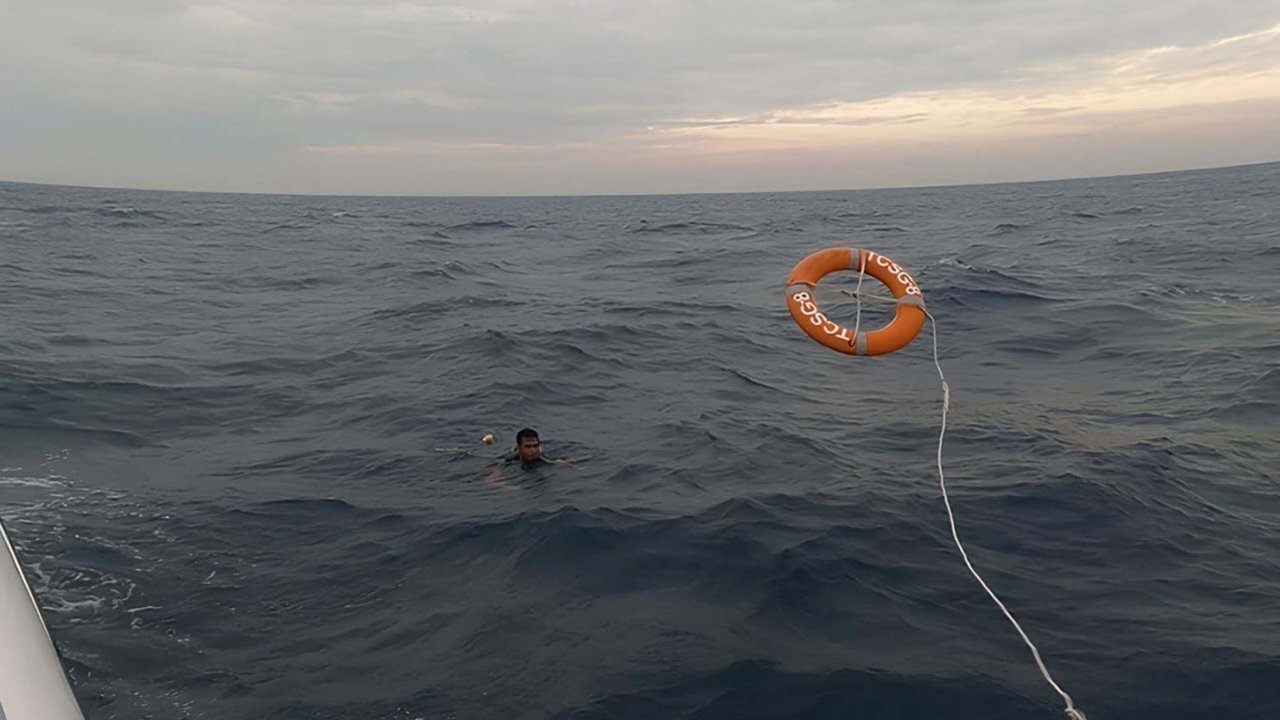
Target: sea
241 457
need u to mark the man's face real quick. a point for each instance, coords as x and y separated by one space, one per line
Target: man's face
530 449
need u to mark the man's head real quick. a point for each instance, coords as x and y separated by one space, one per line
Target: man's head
528 446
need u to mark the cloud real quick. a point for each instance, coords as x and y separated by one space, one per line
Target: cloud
568 77
1054 98
431 13
221 17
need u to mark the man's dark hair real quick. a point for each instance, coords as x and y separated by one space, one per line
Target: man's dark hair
527 433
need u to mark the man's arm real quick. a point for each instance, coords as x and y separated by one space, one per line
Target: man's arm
495 478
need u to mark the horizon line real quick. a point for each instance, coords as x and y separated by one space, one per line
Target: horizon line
650 194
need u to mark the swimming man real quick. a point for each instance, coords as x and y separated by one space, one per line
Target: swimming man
528 452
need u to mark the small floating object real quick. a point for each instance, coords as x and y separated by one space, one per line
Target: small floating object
896 335
488 439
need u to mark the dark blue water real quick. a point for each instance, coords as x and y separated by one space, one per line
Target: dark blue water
240 448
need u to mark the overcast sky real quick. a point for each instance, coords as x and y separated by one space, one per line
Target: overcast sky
533 97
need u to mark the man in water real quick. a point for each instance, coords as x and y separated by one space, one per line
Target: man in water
528 452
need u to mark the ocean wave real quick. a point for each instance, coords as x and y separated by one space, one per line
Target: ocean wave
750 689
125 211
687 228
480 226
1007 229
249 467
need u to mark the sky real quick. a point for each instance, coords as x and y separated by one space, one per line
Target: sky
572 97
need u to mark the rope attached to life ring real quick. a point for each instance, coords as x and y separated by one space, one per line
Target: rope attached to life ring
1071 710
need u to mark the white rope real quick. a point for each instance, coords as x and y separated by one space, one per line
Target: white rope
1071 710
873 296
857 293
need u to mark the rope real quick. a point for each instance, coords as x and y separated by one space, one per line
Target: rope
1072 712
872 296
857 293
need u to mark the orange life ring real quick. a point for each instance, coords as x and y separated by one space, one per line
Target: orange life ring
804 308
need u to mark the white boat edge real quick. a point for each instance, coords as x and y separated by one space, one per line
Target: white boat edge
33 685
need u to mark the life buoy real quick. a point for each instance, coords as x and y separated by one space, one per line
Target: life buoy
804 308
